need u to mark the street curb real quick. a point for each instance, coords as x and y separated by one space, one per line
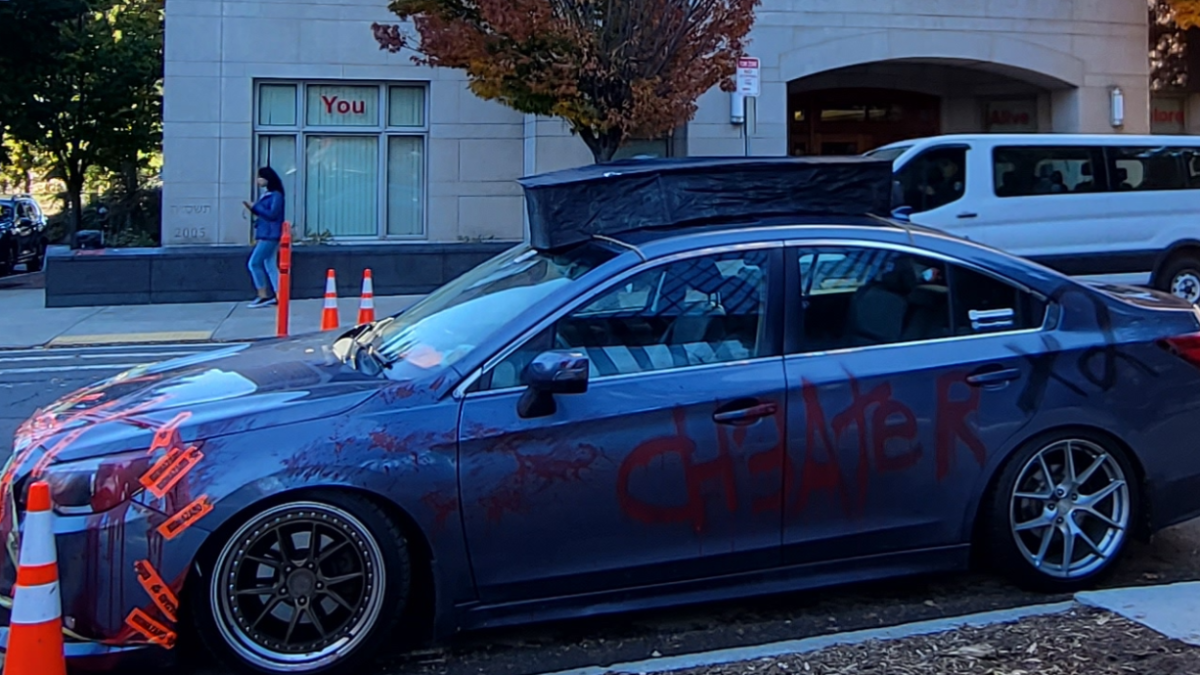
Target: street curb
803 646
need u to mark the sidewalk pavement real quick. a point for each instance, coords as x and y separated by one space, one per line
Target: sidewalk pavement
25 321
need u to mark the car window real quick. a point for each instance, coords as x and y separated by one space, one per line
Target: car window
1147 169
6 211
1042 170
859 297
932 179
698 311
983 304
22 210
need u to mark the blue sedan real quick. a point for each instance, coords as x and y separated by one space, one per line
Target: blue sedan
669 416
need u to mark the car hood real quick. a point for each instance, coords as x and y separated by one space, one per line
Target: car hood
215 393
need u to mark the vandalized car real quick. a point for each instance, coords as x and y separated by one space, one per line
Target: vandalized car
710 379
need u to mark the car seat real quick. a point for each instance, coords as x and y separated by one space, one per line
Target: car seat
879 308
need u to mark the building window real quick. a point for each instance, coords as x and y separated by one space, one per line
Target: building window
351 155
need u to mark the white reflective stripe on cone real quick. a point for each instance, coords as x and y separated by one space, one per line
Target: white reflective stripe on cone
368 303
36 604
37 541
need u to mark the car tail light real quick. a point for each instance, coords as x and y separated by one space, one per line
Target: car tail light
1186 347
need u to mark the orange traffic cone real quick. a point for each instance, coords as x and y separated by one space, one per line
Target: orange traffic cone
35 638
366 306
329 315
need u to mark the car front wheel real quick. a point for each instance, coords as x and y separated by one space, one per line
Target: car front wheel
1061 513
305 587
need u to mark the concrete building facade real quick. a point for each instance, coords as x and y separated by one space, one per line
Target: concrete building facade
374 148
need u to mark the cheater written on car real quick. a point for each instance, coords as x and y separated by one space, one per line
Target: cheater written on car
700 379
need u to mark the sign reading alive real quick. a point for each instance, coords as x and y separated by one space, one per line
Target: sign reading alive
749 82
342 106
1013 117
1167 116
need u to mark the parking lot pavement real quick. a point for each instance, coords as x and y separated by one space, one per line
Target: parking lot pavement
31 378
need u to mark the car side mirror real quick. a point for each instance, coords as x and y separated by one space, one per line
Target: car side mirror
902 213
550 373
25 222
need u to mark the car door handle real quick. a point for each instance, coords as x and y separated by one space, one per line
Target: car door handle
968 214
744 415
984 377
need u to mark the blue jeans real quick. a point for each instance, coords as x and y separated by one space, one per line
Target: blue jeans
264 268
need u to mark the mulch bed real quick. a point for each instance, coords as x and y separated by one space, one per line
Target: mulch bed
1079 642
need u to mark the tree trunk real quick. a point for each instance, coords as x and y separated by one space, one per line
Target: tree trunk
603 144
75 200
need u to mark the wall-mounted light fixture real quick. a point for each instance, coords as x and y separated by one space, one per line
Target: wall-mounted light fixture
1116 106
737 108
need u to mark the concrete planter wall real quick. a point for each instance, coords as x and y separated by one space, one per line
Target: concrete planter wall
214 274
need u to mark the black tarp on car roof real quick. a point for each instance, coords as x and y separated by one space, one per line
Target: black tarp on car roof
568 207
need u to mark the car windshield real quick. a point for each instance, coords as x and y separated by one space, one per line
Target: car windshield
889 154
452 321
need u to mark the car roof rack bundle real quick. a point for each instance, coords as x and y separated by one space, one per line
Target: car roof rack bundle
569 207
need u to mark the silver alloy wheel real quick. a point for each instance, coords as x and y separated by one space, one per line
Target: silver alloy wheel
298 587
1070 509
1186 285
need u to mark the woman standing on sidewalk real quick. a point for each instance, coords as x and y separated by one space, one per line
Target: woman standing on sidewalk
268 230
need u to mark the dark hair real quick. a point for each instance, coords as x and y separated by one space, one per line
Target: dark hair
274 184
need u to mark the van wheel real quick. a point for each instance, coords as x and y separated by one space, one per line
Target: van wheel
1181 277
1061 512
306 587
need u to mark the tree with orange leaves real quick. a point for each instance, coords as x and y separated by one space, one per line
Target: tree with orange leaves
613 69
1187 13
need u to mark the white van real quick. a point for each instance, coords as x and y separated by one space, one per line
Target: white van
1123 209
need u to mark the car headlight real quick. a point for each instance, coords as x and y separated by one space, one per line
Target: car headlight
96 485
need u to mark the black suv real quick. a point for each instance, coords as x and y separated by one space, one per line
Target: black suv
22 234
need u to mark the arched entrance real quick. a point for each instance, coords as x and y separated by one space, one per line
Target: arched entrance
853 121
856 108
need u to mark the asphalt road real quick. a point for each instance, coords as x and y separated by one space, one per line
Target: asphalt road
29 379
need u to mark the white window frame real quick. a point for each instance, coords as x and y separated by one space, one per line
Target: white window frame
301 131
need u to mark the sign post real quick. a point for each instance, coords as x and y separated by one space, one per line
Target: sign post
749 87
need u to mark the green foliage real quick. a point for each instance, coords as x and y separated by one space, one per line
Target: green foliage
87 101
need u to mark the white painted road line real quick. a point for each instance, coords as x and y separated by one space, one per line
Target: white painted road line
807 645
61 357
67 369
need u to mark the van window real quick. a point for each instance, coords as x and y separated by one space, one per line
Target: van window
932 179
1028 171
1144 169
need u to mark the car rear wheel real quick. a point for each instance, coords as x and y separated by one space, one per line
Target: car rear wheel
1181 277
1062 511
306 587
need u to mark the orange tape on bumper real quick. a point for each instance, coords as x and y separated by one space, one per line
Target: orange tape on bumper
158 589
185 517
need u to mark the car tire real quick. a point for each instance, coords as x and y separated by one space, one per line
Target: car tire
8 260
326 611
1181 278
1094 499
38 260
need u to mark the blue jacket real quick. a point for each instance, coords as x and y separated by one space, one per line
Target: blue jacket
268 226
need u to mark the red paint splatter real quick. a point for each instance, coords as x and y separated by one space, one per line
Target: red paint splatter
953 424
442 504
390 444
534 474
873 438
815 474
